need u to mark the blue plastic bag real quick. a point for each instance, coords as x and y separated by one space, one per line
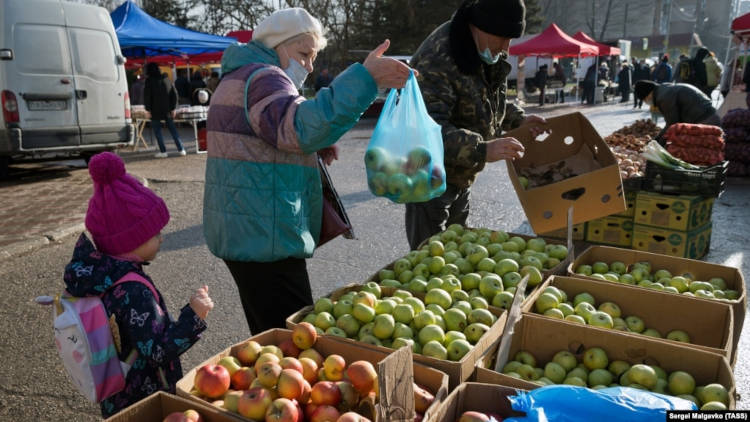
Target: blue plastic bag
404 159
567 403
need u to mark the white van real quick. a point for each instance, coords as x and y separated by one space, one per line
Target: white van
62 81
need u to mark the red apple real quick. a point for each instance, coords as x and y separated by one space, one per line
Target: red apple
231 400
292 363
242 379
314 355
422 398
254 403
189 415
334 366
326 392
325 413
494 417
306 391
289 348
309 370
282 410
304 335
418 417
349 396
362 376
212 381
248 352
268 374
291 384
352 417
310 409
300 412
472 416
265 357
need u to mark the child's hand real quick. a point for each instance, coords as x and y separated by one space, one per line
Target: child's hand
201 302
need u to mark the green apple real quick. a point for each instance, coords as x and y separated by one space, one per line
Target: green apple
618 367
402 330
423 319
546 301
476 254
481 315
451 255
599 276
373 288
336 331
463 305
627 279
371 339
600 267
478 302
670 289
659 274
401 265
434 283
713 393
455 319
509 246
536 244
566 309
436 309
494 249
459 295
342 307
578 382
511 279
406 276
506 265
713 405
486 264
535 276
575 318
527 372
611 308
661 387
429 333
363 313
511 366
475 331
554 313
403 294
635 324
490 285
436 264
519 241
420 270
584 270
611 277
525 357
638 274
451 269
585 310
565 359
385 306
310 318
705 294
554 372
619 267
384 326
595 358
439 297
731 294
601 319
349 324
386 274
323 304
620 324
365 330
415 303
400 342
599 377
391 283
643 375
470 281
579 372
718 283
680 382
324 320
531 261
417 286
503 300
691 398
558 252
561 295
457 349
660 373
700 285
450 336
436 248
434 349
678 335
651 332
584 297
679 283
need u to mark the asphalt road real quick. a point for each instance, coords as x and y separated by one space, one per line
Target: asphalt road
33 384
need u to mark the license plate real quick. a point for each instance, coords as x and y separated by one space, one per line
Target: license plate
46 105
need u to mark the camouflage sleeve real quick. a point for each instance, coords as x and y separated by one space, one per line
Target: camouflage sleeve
514 116
463 147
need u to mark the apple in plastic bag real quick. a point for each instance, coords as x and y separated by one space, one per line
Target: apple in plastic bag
375 158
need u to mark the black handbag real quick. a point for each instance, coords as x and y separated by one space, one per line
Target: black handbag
334 222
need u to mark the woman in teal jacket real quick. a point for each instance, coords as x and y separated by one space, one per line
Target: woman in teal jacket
263 201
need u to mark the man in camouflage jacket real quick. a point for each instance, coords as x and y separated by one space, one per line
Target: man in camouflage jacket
462 76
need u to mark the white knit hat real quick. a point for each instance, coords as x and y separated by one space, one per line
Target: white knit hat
285 24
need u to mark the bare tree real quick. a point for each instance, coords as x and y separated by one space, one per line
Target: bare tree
606 20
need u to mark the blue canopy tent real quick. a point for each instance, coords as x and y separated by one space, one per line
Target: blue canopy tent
141 35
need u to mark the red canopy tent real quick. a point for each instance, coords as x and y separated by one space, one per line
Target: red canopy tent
604 49
741 26
215 57
554 42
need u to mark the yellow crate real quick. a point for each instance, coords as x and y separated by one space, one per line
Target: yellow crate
673 212
613 230
579 233
693 244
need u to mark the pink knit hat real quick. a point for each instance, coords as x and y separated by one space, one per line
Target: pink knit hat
123 214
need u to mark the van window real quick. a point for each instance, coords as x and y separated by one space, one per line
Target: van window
93 55
41 49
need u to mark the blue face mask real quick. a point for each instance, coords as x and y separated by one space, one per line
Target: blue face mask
296 72
487 56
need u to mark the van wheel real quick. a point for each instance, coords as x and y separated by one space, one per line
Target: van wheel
4 170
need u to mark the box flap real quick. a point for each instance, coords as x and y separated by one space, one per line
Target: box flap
396 383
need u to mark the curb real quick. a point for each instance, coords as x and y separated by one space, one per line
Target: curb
35 243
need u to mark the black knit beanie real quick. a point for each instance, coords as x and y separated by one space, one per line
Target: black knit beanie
643 88
504 18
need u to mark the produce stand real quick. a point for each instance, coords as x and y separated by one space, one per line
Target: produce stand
158 406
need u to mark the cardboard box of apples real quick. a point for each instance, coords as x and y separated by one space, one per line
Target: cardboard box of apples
705 325
165 407
292 376
477 402
544 351
447 338
698 280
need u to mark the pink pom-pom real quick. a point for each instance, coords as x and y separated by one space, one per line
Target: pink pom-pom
106 167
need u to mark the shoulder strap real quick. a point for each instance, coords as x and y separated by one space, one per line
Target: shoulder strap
135 277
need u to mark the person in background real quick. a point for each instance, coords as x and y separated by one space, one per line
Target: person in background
640 73
136 90
196 84
323 79
589 85
160 100
663 71
678 103
463 71
263 201
623 82
213 81
540 80
700 79
714 71
125 220
560 75
182 84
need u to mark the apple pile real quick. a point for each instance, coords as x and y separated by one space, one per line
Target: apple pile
553 302
293 382
473 416
471 263
596 371
441 326
640 274
189 415
403 179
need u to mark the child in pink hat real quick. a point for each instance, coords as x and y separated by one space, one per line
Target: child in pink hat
125 220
